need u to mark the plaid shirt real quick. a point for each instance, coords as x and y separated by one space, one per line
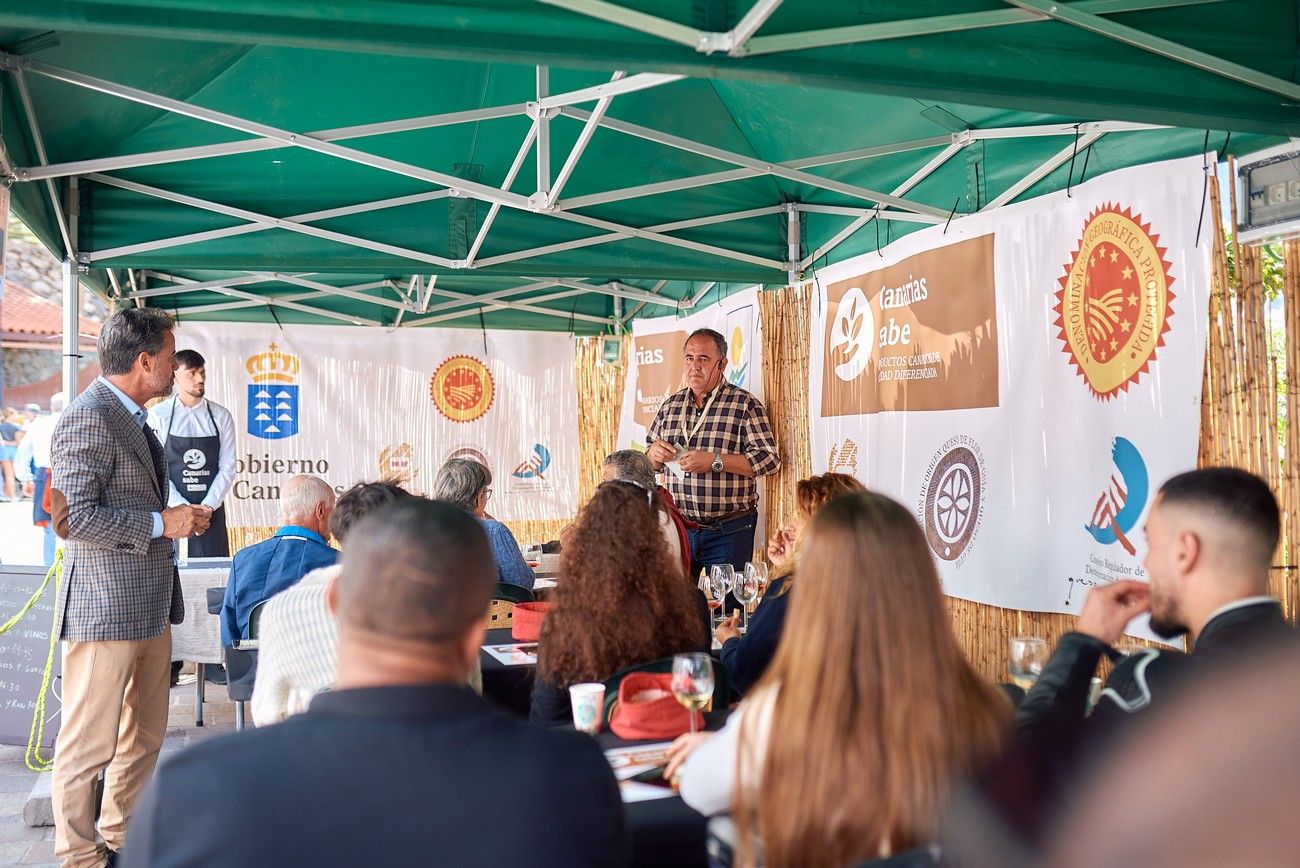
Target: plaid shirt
735 423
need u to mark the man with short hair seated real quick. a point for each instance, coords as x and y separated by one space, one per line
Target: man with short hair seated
401 764
1211 535
298 641
261 571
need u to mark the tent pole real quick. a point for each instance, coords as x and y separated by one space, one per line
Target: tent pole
71 326
792 243
543 122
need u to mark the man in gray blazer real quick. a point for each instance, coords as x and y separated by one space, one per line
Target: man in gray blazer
120 590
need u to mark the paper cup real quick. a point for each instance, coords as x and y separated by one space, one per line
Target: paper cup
588 702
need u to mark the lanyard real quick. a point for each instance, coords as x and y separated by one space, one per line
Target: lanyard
704 412
171 420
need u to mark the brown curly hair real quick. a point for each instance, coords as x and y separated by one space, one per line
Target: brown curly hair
620 599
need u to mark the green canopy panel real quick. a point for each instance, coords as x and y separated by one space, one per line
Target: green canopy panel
566 164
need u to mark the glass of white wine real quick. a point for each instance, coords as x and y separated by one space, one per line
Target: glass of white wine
692 682
1028 657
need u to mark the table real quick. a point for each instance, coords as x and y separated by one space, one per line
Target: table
511 687
664 832
198 637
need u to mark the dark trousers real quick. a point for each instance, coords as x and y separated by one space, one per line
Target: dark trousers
732 542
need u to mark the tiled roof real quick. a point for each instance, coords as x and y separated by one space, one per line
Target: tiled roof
23 313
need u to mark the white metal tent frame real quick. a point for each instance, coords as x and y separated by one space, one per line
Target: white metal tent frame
414 297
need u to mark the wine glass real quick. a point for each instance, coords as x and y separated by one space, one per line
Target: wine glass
692 682
1028 657
729 579
760 572
746 592
717 592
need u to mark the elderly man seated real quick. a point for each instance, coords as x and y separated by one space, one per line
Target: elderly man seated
261 571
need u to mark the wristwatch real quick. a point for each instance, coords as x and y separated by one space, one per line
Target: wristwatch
717 462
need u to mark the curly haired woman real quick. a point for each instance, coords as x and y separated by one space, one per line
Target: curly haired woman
619 601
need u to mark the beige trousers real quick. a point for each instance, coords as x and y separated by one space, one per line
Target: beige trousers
115 698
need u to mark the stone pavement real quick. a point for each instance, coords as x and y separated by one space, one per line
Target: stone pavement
24 845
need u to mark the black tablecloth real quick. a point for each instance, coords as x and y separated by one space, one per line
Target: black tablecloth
665 832
507 686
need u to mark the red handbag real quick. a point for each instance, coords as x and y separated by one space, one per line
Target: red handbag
526 622
647 709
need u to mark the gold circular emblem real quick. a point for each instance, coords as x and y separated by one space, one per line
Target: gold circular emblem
1113 307
462 389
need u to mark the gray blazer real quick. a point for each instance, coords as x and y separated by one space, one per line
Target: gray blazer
118 584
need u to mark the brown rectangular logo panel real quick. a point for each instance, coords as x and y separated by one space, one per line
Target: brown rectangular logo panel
660 368
917 335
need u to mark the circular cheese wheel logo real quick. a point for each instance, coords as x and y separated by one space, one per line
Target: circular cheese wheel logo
1113 307
462 389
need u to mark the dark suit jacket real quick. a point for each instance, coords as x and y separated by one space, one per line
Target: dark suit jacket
748 656
1056 742
118 582
424 775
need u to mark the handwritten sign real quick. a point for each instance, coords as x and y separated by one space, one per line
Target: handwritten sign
23 651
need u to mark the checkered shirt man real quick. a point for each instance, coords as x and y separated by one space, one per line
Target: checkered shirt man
733 422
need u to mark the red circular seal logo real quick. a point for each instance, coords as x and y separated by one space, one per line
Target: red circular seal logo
462 389
1113 307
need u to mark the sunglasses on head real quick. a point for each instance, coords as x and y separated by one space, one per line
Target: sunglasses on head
649 492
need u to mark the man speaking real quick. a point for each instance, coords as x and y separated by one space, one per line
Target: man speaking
715 440
199 439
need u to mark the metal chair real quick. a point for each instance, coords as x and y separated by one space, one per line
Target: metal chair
241 667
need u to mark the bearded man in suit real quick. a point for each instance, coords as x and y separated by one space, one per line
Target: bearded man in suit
120 591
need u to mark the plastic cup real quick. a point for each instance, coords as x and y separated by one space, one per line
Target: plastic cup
588 702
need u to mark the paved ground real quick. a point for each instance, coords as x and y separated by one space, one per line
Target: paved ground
22 845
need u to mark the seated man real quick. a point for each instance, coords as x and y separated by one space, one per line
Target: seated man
397 765
261 571
299 639
1211 535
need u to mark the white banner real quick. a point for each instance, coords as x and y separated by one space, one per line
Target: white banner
360 404
1025 380
656 368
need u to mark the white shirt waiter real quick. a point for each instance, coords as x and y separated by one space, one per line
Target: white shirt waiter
198 438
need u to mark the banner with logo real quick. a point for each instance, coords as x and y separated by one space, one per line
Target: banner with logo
362 404
656 367
1025 379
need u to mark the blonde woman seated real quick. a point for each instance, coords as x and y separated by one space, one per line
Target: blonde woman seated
847 748
747 657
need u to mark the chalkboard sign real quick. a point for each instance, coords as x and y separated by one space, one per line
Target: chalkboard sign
23 651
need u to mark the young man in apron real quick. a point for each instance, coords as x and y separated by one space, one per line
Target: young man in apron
198 439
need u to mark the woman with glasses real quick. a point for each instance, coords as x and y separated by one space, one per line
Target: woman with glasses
467 484
620 600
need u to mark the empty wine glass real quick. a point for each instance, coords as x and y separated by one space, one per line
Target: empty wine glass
692 682
761 573
717 593
746 592
1028 657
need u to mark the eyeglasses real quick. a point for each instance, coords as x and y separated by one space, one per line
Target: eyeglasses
487 494
649 492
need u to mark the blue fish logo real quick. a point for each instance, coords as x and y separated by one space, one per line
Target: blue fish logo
1121 504
536 465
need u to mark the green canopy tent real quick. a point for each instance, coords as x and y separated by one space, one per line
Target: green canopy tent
574 164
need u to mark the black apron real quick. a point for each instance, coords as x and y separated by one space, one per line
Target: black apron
191 465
